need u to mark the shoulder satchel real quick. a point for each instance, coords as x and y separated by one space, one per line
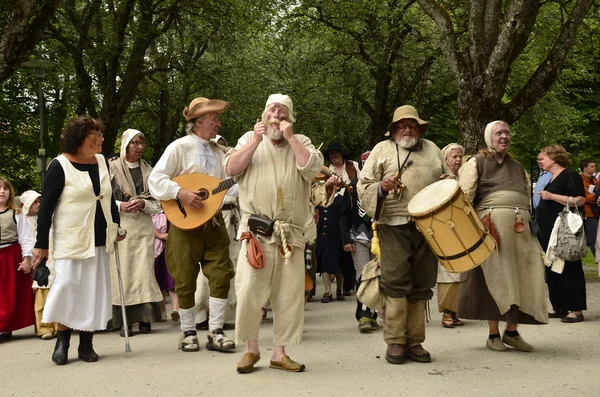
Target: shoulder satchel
571 244
369 292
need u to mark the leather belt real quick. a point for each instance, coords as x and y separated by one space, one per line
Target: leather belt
228 207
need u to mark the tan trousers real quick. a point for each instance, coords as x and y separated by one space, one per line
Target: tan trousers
448 297
404 322
42 328
283 284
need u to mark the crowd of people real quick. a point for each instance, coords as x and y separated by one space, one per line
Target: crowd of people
98 223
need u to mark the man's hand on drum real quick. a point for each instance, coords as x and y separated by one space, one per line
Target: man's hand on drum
350 247
190 199
334 180
388 184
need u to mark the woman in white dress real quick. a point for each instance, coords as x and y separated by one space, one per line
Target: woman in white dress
77 203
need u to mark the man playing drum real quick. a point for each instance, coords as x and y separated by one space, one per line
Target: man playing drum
396 170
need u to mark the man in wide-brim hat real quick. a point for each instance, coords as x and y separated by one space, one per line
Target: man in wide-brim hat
332 257
207 245
397 169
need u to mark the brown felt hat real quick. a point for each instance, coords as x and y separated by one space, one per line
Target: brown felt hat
201 106
407 112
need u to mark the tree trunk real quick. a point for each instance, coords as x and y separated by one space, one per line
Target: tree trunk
21 32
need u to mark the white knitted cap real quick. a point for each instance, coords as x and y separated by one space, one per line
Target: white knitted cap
283 100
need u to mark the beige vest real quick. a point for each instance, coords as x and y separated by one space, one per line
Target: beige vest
73 221
8 227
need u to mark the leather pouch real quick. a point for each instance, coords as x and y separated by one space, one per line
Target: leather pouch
260 225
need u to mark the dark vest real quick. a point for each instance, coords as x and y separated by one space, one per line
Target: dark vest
493 176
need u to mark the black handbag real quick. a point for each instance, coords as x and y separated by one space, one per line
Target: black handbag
534 227
41 274
260 225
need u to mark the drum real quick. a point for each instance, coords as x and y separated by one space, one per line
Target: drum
451 226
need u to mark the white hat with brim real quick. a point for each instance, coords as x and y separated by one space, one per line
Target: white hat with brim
27 199
407 112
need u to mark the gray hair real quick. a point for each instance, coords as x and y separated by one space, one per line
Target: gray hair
190 126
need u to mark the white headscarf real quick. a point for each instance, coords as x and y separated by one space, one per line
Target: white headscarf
488 133
449 148
127 136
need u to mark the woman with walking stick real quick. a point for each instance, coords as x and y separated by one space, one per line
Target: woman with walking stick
77 203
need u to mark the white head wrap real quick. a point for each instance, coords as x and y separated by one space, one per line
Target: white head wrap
127 136
283 100
488 133
448 149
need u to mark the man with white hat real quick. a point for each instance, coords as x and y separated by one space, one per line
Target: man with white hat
275 177
209 244
394 173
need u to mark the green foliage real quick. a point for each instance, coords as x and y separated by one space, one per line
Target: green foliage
347 64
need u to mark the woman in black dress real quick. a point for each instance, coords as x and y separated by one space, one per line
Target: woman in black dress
566 290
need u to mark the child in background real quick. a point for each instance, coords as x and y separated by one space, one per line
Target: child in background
30 202
164 279
16 246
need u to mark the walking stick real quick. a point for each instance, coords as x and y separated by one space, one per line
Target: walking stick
125 326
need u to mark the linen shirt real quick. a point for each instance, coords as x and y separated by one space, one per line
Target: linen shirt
186 155
273 178
541 183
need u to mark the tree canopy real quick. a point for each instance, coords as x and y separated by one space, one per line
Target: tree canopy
347 64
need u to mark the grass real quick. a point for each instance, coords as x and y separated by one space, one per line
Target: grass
590 268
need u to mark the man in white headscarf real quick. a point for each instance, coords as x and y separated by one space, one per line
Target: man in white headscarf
274 168
208 244
130 174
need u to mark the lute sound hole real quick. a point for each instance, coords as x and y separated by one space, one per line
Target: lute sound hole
203 193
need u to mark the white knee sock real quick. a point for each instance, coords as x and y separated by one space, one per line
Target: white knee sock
216 313
187 317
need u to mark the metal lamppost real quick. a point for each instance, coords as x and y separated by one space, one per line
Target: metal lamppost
40 72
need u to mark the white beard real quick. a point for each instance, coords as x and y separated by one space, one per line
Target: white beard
273 132
407 143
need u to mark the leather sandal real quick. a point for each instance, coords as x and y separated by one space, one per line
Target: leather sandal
246 363
188 342
447 320
287 364
456 320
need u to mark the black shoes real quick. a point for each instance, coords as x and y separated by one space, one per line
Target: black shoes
326 298
86 349
145 328
61 349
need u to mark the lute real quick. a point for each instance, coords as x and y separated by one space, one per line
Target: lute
212 192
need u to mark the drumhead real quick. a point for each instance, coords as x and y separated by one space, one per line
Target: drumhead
432 197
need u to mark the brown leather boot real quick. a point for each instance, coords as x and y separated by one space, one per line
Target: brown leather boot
418 354
396 354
